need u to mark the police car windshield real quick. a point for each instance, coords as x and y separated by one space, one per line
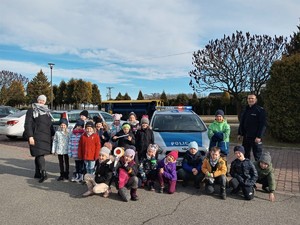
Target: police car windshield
177 123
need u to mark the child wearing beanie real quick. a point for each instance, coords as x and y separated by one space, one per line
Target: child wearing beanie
134 123
127 176
60 147
124 138
266 175
243 173
191 166
99 182
143 138
167 172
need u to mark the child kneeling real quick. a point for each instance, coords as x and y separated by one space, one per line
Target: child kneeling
99 182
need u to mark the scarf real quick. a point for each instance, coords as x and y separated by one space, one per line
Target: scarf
213 163
39 110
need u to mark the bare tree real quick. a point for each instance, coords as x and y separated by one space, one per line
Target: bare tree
236 64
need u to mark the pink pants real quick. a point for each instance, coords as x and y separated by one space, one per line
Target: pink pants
172 183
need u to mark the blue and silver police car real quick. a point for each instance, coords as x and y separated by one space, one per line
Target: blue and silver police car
174 127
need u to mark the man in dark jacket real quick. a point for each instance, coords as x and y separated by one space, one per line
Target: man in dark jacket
252 127
244 175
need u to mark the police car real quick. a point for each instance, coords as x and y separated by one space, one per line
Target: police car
174 127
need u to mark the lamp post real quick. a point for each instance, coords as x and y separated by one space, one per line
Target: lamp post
51 93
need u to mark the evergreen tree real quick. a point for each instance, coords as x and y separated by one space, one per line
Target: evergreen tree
39 85
96 96
294 46
119 96
126 96
164 98
140 96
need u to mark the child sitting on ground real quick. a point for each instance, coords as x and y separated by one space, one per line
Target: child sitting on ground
266 174
127 176
191 166
98 183
148 167
243 173
214 168
167 172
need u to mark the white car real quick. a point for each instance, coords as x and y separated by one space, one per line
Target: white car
13 125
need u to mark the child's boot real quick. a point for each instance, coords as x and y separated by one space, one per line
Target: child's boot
223 193
133 194
61 177
44 176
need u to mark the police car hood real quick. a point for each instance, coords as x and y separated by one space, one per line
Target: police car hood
173 139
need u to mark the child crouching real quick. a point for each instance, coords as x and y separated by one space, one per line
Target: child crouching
99 182
127 176
167 172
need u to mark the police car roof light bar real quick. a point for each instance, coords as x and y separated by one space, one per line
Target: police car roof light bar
173 107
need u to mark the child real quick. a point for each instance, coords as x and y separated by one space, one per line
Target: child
191 166
219 133
134 123
244 174
116 125
148 167
73 150
89 147
167 172
214 168
266 174
60 147
99 182
124 137
127 176
84 115
102 130
143 138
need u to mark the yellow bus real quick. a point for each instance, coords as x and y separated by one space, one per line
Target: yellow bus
139 107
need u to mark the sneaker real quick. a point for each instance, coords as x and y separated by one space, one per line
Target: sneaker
161 190
75 177
60 178
88 193
151 187
79 178
106 193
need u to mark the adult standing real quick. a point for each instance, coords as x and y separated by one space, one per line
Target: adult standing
39 132
252 127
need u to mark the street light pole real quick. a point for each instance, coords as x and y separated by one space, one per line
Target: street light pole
51 94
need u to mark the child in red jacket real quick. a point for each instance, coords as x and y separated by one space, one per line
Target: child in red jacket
89 147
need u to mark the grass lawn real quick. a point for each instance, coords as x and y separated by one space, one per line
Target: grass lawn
234 123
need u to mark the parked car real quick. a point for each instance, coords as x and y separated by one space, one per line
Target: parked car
73 115
13 125
7 110
175 127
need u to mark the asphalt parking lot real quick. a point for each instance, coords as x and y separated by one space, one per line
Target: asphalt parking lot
25 201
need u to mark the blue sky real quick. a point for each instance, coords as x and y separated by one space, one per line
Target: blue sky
128 45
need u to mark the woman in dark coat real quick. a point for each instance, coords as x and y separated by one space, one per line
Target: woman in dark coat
39 132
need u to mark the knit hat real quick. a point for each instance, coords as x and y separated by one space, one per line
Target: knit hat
84 113
126 125
132 113
266 158
97 120
89 124
79 123
105 151
152 147
117 116
145 120
219 112
42 97
193 144
130 152
63 120
108 145
239 148
173 153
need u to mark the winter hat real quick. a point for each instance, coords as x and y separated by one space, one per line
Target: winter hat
63 120
105 151
117 116
239 148
79 123
132 113
126 125
108 145
174 153
89 124
145 120
130 152
219 112
42 97
152 147
193 144
97 120
266 158
84 113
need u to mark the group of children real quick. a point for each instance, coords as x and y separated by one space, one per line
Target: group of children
138 166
